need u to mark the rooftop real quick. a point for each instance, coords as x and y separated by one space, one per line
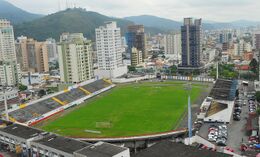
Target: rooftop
171 149
101 149
63 144
21 131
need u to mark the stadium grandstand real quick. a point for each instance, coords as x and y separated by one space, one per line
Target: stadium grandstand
46 107
218 106
224 89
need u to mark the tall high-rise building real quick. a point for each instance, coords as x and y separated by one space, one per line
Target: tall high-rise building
32 55
52 49
109 51
256 40
9 69
75 58
191 43
172 45
135 38
225 36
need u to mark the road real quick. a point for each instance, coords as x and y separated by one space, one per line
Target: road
237 132
236 129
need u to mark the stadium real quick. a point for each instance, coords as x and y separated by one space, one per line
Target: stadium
99 109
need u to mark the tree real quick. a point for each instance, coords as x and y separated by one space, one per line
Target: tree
226 71
254 66
173 69
258 111
41 93
258 96
131 68
22 87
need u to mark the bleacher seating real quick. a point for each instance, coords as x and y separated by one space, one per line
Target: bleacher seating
224 90
71 95
96 86
47 105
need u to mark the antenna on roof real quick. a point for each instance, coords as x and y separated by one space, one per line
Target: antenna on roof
66 4
58 5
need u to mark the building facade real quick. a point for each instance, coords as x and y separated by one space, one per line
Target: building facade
191 43
75 58
9 69
136 57
172 46
32 55
109 51
135 37
52 49
256 40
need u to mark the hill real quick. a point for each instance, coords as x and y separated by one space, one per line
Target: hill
70 20
15 15
164 24
156 22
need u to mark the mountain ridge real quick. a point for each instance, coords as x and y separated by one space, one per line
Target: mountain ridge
14 14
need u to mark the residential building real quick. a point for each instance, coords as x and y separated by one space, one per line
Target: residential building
19 138
109 51
12 98
191 43
256 40
30 142
52 49
9 69
136 57
225 36
248 56
75 58
135 37
53 145
172 46
242 47
32 55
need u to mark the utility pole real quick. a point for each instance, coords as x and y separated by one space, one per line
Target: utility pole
217 71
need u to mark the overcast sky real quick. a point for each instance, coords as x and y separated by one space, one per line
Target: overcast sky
215 10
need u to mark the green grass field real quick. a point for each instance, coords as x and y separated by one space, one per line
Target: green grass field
128 110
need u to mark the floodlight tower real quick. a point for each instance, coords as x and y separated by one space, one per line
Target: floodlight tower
188 88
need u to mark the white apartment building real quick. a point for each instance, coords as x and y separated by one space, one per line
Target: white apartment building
109 51
9 69
241 47
75 58
172 46
52 49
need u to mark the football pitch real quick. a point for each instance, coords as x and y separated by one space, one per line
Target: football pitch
128 110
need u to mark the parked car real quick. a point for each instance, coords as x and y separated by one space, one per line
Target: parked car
221 142
237 117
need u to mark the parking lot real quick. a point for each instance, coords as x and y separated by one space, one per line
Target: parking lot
236 129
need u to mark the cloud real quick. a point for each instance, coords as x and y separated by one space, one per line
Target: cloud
217 10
